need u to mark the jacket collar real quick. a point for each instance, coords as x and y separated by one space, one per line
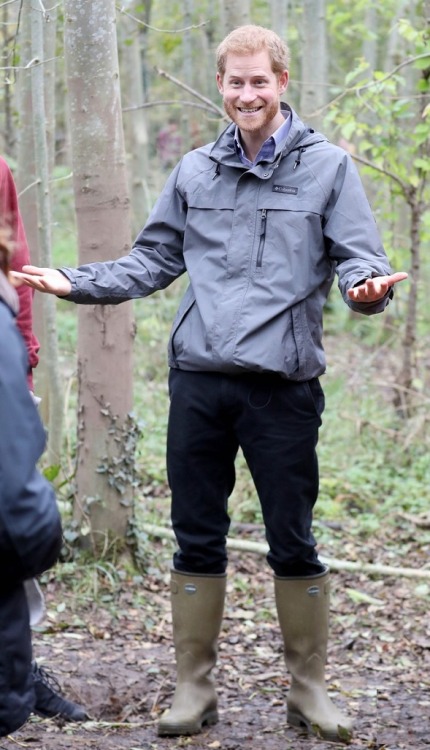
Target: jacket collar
300 135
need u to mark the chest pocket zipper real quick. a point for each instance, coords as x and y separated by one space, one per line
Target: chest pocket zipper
262 240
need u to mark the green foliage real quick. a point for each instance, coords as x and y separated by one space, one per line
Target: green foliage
383 116
120 470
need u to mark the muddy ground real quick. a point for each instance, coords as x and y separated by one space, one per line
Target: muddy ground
110 647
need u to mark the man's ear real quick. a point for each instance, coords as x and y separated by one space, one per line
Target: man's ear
283 81
219 83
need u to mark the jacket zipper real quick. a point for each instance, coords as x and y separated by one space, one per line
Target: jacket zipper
262 238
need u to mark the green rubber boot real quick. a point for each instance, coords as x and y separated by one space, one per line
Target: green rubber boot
303 611
197 610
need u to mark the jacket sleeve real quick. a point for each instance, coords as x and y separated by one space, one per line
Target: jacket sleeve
11 219
351 236
30 525
154 262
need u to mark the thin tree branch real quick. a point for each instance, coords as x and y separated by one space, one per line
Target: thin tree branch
357 89
37 182
122 10
190 90
8 2
32 64
403 185
391 73
166 102
333 563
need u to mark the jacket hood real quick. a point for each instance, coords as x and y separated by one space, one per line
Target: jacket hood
299 136
8 294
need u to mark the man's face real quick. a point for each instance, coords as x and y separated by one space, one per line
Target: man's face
251 92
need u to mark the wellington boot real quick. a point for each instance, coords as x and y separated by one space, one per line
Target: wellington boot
303 611
197 609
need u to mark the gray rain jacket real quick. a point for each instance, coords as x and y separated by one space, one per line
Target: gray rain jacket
260 245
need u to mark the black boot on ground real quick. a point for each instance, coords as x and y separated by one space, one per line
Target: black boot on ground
49 700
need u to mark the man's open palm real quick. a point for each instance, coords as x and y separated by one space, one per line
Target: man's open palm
373 289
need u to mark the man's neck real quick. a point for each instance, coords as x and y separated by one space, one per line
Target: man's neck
252 141
251 144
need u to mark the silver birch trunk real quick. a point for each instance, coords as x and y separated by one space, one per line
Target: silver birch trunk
313 93
26 170
279 16
42 169
370 44
135 124
187 71
105 451
234 13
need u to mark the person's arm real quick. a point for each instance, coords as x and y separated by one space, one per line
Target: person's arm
154 262
366 279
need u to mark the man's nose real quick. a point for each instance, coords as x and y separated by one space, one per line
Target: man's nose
248 93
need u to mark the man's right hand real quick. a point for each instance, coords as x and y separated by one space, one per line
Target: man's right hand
43 279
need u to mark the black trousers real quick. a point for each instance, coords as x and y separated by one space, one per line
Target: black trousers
275 422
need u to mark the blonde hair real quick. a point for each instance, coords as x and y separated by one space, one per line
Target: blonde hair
249 39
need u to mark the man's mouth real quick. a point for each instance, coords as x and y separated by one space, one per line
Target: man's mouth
249 111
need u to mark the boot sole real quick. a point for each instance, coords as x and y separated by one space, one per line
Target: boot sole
300 722
186 729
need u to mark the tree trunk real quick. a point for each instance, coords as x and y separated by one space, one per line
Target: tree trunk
404 395
26 171
187 70
105 452
208 44
55 418
8 130
234 13
314 67
370 45
135 124
279 16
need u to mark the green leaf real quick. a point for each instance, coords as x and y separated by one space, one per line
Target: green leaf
348 130
51 472
422 163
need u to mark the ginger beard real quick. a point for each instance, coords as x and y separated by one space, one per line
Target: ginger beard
250 119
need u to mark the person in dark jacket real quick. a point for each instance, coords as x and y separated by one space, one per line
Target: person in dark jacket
261 221
30 525
49 700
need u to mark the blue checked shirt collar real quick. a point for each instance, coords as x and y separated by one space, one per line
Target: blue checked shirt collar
267 151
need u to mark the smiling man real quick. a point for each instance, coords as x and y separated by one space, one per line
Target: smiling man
251 91
261 221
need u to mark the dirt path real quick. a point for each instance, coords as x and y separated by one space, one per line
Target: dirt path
115 657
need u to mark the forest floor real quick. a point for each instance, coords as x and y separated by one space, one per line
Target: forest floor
111 649
107 637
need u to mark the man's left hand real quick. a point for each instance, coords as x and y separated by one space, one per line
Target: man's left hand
374 289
